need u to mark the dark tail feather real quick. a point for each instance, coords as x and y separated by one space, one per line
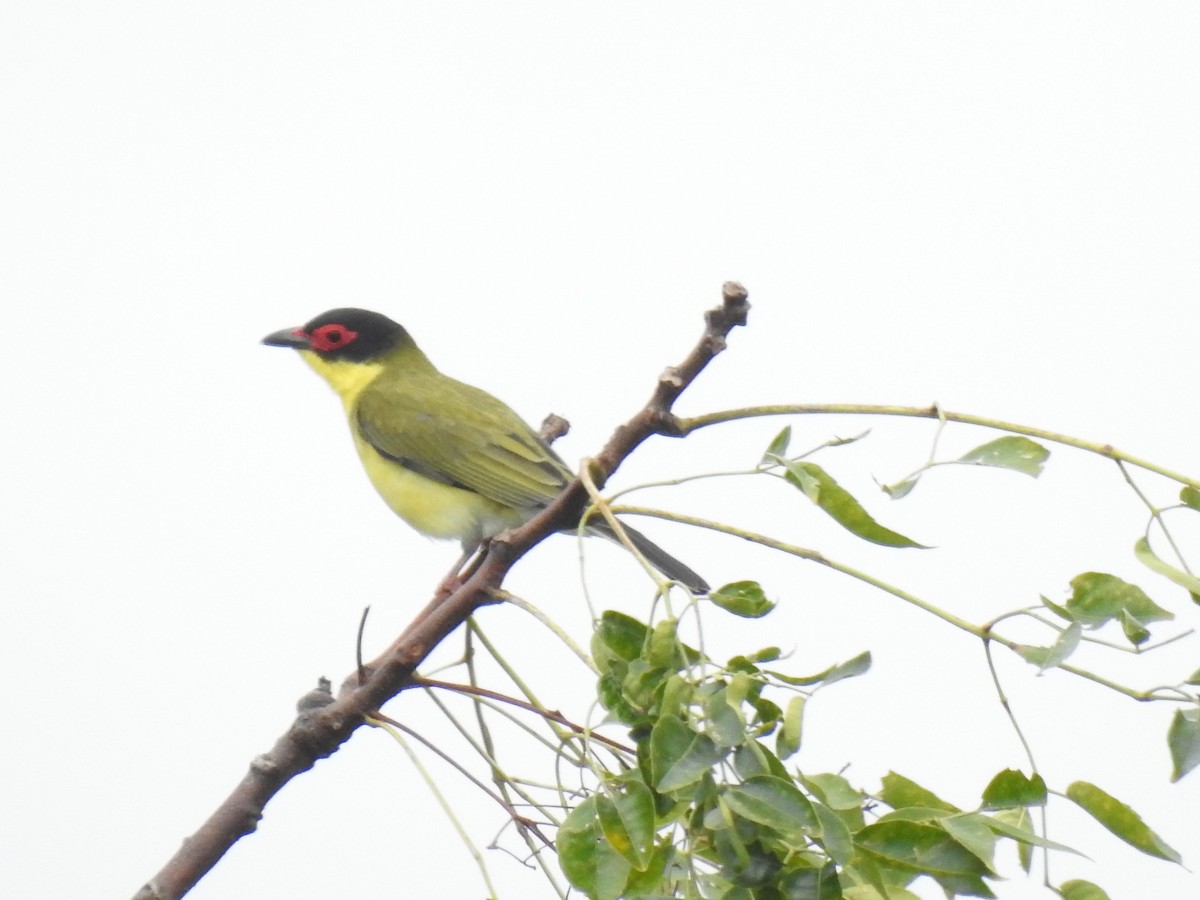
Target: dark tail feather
656 556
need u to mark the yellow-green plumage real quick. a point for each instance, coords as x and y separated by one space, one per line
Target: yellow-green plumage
448 458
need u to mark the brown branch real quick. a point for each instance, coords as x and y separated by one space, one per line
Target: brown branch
319 732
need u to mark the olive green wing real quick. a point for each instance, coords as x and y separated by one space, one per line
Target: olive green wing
462 436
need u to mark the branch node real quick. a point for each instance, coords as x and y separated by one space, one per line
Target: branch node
671 377
716 343
321 695
414 651
553 427
667 424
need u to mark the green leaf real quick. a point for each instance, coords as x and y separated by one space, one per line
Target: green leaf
835 836
1190 497
678 756
586 858
627 822
851 668
617 637
843 441
870 892
837 502
643 683
664 646
752 758
744 864
612 696
1059 611
799 476
1011 788
774 802
742 598
1098 598
1120 820
899 792
887 880
811 883
1194 678
1012 452
778 447
644 884
1077 889
1153 562
1049 657
972 832
676 696
724 722
742 688
915 814
670 739
919 847
901 489
1022 833
848 669
787 739
1183 738
834 790
766 715
766 654
1135 632
1018 819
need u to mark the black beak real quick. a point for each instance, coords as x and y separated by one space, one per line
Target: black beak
289 337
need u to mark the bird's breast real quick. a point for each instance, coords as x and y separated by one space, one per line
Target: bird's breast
433 508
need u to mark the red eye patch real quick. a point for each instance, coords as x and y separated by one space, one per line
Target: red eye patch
331 337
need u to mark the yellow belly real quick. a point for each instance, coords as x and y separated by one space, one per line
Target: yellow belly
432 508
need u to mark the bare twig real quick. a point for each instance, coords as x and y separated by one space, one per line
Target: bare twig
551 715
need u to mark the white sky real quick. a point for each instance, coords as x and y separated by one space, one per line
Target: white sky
994 206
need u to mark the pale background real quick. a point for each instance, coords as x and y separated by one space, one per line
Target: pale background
994 206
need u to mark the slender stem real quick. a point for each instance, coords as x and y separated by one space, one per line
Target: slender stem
395 729
1002 696
549 714
1155 516
557 629
481 752
688 425
981 632
811 556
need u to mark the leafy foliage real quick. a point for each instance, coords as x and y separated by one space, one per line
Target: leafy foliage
711 807
711 810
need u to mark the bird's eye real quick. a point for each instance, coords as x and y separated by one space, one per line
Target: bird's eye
331 337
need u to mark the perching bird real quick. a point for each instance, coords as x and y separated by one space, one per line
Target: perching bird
448 458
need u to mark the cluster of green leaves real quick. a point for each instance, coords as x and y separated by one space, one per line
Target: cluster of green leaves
823 490
1097 598
711 809
708 806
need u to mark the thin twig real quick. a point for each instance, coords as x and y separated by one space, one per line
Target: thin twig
551 715
687 426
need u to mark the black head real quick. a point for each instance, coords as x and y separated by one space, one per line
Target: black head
354 335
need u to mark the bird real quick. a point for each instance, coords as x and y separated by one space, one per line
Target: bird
450 459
